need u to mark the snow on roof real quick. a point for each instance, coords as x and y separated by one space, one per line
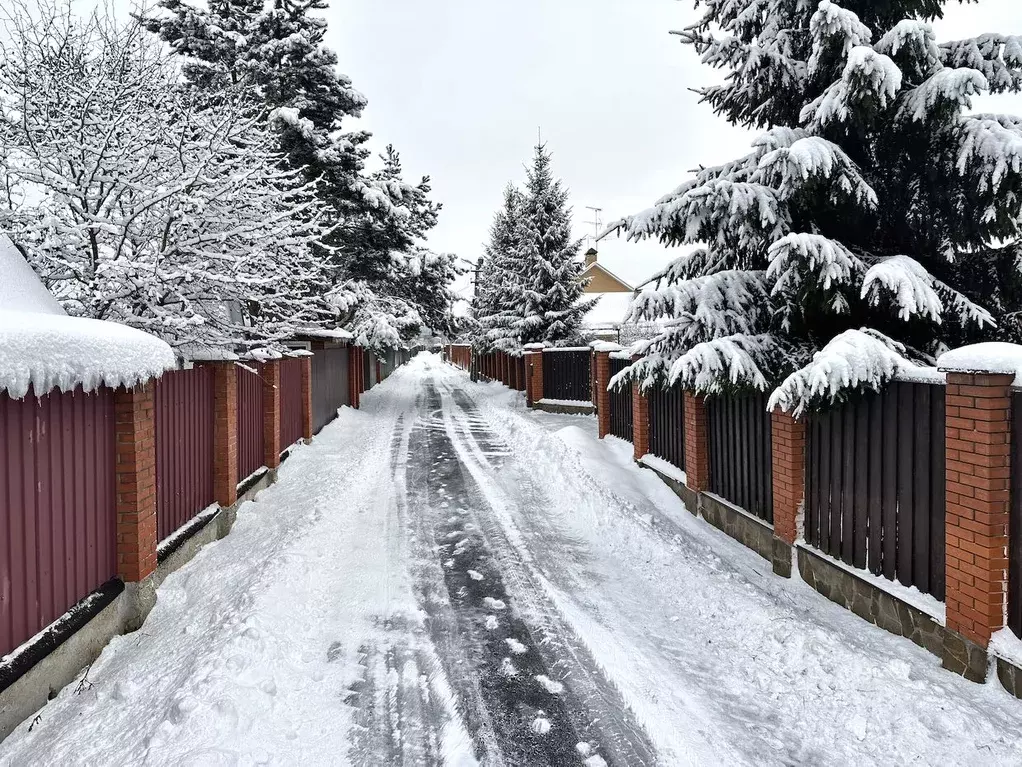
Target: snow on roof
20 288
609 312
992 357
326 333
42 348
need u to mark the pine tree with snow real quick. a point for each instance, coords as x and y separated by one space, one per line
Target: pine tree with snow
500 291
875 222
547 259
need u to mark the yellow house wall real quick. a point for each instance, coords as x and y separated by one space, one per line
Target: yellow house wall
604 283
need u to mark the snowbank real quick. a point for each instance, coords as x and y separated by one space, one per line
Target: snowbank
992 357
47 351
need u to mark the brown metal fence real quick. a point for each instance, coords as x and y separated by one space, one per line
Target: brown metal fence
667 425
620 404
566 375
250 421
1015 522
330 385
741 466
57 507
291 429
875 484
184 447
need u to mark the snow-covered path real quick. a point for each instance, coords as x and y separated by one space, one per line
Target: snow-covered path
447 578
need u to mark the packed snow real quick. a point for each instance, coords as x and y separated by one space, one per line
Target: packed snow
318 631
990 357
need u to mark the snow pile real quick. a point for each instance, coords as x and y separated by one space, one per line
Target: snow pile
42 348
992 357
45 351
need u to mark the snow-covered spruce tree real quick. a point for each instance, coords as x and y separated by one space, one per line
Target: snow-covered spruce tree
874 223
139 201
551 274
500 291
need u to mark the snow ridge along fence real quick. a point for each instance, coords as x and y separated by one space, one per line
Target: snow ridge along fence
57 507
875 485
184 447
620 404
667 424
740 452
566 375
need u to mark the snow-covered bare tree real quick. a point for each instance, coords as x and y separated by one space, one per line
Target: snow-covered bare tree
875 221
143 202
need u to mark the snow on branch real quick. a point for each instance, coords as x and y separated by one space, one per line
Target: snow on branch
815 159
743 361
869 79
948 88
836 32
907 282
914 41
797 256
997 56
718 304
991 149
853 360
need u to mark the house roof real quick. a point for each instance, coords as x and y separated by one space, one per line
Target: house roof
597 265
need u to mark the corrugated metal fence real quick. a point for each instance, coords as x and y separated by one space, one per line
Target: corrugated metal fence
290 401
1015 529
57 507
329 385
875 473
620 404
741 466
184 447
250 421
566 375
667 425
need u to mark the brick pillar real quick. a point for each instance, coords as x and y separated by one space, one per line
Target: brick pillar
978 466
788 462
307 398
601 395
271 414
225 433
640 422
135 434
697 454
533 374
354 373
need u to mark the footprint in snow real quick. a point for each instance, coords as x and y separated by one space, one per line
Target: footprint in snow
492 624
507 668
552 687
449 564
516 647
494 604
475 575
541 725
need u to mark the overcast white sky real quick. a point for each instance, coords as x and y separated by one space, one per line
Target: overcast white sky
460 87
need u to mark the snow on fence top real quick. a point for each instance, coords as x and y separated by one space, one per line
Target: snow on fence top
605 346
991 357
329 334
567 349
42 348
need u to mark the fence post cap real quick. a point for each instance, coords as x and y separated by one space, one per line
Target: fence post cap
606 346
994 357
534 347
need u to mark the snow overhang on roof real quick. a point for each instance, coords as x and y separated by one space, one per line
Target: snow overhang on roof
41 348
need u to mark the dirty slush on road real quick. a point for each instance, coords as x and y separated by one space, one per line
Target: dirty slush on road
527 692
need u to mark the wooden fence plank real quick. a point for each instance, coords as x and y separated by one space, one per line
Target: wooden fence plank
921 491
861 494
906 445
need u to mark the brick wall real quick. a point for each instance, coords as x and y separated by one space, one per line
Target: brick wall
697 454
788 438
135 456
640 421
601 396
225 433
978 465
271 414
534 377
307 398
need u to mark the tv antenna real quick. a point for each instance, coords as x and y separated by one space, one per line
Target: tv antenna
597 222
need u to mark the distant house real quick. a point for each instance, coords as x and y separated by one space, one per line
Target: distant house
605 320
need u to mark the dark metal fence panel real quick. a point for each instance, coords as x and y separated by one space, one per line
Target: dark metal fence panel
875 484
1015 524
250 420
667 424
741 468
368 370
566 375
290 401
57 507
329 385
620 404
184 447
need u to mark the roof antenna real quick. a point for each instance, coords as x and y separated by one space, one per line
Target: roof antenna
596 222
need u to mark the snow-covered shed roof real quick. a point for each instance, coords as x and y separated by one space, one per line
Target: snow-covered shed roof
42 348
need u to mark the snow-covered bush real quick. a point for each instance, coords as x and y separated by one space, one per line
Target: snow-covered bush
874 223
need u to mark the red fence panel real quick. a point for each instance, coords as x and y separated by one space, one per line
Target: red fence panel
250 420
57 507
184 447
290 401
330 385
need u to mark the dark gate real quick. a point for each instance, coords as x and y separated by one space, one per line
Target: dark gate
329 385
250 420
667 425
57 507
566 375
1015 529
741 467
184 447
875 484
291 404
620 404
368 370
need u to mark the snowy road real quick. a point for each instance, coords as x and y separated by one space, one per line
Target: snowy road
445 578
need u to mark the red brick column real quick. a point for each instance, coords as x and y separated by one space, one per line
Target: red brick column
533 376
225 433
135 434
601 395
307 398
788 459
271 414
354 373
978 466
697 454
640 422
